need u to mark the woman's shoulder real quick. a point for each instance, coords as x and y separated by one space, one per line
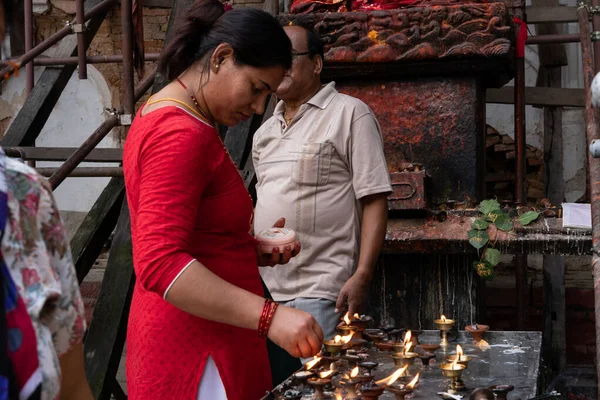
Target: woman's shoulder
171 122
21 179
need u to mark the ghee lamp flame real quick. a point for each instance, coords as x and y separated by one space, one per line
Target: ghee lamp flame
347 338
325 374
407 347
459 352
354 372
356 316
443 318
337 339
412 383
347 318
338 397
454 364
407 337
393 377
312 362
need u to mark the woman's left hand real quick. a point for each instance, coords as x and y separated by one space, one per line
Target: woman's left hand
278 256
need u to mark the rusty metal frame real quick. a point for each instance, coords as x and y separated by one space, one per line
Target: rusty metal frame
591 65
79 30
52 40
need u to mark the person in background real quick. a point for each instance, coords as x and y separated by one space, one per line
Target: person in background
198 318
42 319
320 164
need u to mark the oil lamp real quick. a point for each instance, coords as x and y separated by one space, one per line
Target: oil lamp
401 391
444 325
453 371
477 331
335 345
405 357
320 383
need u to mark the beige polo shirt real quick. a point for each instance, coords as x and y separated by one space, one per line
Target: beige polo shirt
313 173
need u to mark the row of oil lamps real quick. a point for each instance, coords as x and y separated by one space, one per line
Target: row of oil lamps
352 336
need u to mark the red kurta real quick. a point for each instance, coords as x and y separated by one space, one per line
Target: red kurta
187 202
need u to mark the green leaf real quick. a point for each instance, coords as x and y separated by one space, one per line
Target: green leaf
477 238
487 206
528 217
492 216
503 223
484 269
480 225
492 256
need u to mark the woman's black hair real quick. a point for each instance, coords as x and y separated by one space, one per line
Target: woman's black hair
257 38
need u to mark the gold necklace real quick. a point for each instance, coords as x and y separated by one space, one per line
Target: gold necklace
224 147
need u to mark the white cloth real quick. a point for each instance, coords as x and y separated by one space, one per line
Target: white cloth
211 386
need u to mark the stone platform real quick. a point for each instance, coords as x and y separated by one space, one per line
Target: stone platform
513 358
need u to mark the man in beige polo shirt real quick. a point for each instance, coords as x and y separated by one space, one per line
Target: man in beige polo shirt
320 164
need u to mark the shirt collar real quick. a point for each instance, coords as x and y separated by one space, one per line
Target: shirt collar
323 96
321 99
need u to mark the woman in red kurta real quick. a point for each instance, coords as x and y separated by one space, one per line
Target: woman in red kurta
197 302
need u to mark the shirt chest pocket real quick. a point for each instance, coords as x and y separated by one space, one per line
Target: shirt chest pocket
312 162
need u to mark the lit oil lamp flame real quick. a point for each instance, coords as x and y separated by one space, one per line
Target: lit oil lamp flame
407 347
347 318
325 374
338 397
459 352
412 383
346 339
337 339
312 363
454 364
354 372
407 337
393 377
356 316
443 318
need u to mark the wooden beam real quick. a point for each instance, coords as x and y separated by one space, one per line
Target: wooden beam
63 153
158 3
551 14
107 332
94 231
106 337
539 96
32 117
552 58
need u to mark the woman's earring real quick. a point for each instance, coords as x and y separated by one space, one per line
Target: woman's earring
217 66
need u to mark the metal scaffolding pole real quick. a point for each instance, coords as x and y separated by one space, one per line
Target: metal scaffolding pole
127 49
51 41
80 31
29 77
591 125
91 142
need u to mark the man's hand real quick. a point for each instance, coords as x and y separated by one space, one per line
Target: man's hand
279 256
353 294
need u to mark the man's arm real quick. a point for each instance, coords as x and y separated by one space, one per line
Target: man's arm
371 183
372 235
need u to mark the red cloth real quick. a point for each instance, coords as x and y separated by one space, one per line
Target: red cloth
521 38
187 201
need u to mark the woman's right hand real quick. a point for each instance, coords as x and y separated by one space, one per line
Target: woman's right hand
296 331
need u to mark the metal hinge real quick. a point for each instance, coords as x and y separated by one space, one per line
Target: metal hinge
75 28
125 119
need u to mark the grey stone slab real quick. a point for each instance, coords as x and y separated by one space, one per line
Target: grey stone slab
513 358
